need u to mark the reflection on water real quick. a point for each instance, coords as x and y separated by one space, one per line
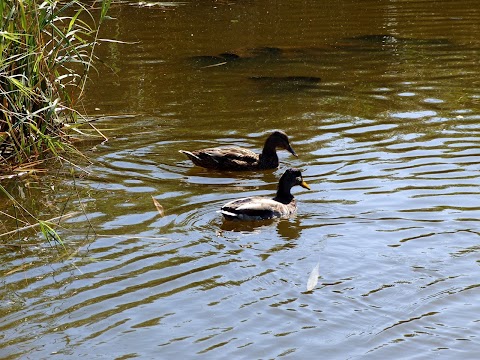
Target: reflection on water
381 103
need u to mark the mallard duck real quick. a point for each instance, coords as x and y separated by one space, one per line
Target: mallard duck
262 208
237 158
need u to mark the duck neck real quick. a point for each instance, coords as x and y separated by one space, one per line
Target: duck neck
283 194
268 159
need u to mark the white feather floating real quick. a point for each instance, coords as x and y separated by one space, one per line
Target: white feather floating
313 278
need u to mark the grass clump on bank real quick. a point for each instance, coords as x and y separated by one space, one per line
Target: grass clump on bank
46 52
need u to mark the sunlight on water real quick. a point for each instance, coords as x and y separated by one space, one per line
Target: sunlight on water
381 103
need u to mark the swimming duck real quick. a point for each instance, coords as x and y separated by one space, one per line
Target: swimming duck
237 158
262 208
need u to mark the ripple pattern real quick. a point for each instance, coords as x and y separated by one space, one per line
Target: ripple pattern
388 140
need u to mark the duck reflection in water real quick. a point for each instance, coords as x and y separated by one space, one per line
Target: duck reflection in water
287 229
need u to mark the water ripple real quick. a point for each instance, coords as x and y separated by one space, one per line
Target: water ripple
388 141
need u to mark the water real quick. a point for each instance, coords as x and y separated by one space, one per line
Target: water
388 141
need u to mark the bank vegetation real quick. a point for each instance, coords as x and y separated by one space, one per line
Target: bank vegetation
46 53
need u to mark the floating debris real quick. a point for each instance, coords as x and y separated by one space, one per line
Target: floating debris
313 278
158 206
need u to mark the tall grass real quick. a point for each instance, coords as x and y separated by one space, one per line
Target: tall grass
46 52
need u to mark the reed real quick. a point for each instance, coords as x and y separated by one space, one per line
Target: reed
46 52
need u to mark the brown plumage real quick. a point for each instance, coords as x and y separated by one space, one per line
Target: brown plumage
237 158
262 208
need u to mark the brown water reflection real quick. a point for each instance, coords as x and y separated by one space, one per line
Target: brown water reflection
387 138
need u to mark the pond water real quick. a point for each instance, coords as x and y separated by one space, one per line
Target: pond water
381 100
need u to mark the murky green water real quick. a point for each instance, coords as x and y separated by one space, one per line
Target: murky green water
388 141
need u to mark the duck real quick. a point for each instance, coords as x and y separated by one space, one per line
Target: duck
283 205
238 159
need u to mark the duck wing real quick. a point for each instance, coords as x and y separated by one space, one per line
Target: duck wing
232 153
223 158
255 208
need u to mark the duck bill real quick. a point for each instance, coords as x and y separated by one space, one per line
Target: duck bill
291 151
304 185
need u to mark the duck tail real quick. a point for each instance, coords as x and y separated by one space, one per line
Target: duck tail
191 155
228 214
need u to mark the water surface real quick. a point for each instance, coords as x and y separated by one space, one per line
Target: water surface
381 101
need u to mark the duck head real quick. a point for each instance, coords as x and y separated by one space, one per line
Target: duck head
291 178
278 139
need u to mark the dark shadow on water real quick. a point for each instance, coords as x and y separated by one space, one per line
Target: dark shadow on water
289 229
240 226
237 56
384 39
286 83
269 54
